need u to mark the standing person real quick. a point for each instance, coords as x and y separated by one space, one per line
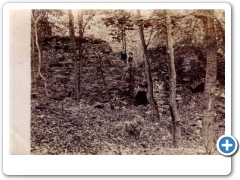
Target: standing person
130 58
124 56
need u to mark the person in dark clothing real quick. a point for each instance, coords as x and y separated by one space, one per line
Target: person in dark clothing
130 58
124 57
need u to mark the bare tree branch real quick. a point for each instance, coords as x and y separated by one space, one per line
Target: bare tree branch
181 17
222 29
37 19
87 20
149 39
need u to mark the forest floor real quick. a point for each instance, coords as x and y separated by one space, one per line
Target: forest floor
90 126
71 127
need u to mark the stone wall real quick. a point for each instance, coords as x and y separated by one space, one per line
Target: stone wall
58 68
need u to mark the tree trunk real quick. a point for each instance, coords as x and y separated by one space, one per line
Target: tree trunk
210 82
33 65
150 96
125 41
72 37
80 79
104 81
39 55
122 40
176 122
131 80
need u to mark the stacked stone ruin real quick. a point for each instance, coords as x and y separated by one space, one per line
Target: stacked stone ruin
58 68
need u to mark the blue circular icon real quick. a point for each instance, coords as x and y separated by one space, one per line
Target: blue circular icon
227 145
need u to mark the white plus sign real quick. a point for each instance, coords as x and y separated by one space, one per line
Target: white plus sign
227 145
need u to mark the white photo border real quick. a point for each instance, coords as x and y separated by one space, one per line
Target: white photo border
113 164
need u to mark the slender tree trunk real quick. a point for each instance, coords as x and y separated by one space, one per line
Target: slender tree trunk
33 65
72 37
80 23
40 57
176 122
131 80
122 39
210 82
104 81
150 96
125 41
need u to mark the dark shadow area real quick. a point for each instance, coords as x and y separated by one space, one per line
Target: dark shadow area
141 98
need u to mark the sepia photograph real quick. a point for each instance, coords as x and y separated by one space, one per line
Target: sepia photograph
127 81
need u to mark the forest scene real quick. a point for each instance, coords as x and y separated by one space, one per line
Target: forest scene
127 82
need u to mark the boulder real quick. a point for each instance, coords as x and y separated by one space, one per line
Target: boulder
199 124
